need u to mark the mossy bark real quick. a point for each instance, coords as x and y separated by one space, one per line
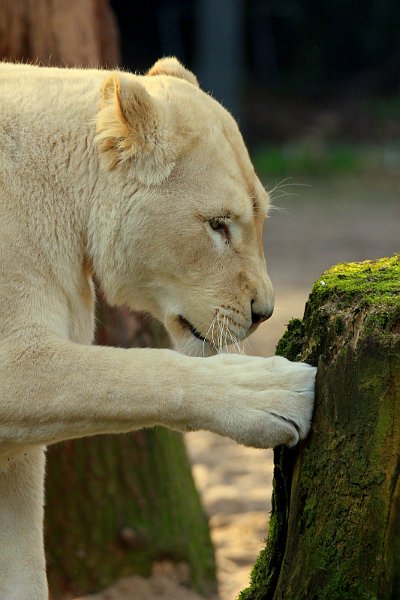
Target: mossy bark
335 525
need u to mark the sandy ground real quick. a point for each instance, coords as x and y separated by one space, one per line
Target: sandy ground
322 224
236 487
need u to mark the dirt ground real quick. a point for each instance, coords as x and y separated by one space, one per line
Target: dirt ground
322 223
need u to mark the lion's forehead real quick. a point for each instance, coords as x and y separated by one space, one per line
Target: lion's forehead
220 168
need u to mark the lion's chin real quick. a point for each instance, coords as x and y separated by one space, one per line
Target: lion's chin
185 338
190 345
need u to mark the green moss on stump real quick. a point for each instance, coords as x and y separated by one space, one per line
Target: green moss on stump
343 297
335 523
374 281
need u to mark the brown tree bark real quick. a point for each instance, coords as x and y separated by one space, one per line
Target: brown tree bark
334 532
115 504
59 32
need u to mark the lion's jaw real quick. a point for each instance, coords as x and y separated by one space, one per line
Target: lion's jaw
187 246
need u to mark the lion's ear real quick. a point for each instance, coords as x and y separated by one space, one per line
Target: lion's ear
130 129
172 67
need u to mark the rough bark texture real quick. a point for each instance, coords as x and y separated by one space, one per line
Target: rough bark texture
56 32
115 504
334 531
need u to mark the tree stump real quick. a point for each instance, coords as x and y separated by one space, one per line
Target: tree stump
334 531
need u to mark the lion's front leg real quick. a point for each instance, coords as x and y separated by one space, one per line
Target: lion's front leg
22 561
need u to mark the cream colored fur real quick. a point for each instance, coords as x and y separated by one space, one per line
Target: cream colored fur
145 181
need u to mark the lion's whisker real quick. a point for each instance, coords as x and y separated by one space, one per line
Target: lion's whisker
235 342
224 344
214 323
227 331
220 337
206 336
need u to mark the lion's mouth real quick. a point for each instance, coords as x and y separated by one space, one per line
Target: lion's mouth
186 325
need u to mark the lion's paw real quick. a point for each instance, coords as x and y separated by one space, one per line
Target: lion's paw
261 402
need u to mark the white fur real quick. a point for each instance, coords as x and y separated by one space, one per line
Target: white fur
123 183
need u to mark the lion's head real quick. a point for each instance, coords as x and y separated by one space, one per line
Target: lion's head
178 232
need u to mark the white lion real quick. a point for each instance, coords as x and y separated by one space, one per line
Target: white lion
145 181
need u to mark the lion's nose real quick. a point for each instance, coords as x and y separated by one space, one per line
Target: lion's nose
257 318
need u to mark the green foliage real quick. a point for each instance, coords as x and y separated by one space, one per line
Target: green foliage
301 158
319 159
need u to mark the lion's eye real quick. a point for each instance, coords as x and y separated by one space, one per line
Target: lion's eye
221 226
217 224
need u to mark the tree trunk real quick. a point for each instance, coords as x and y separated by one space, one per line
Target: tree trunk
334 532
56 32
115 504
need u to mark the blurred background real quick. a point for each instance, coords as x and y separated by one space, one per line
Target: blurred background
315 87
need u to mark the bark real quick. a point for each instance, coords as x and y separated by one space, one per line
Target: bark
334 532
115 504
56 32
